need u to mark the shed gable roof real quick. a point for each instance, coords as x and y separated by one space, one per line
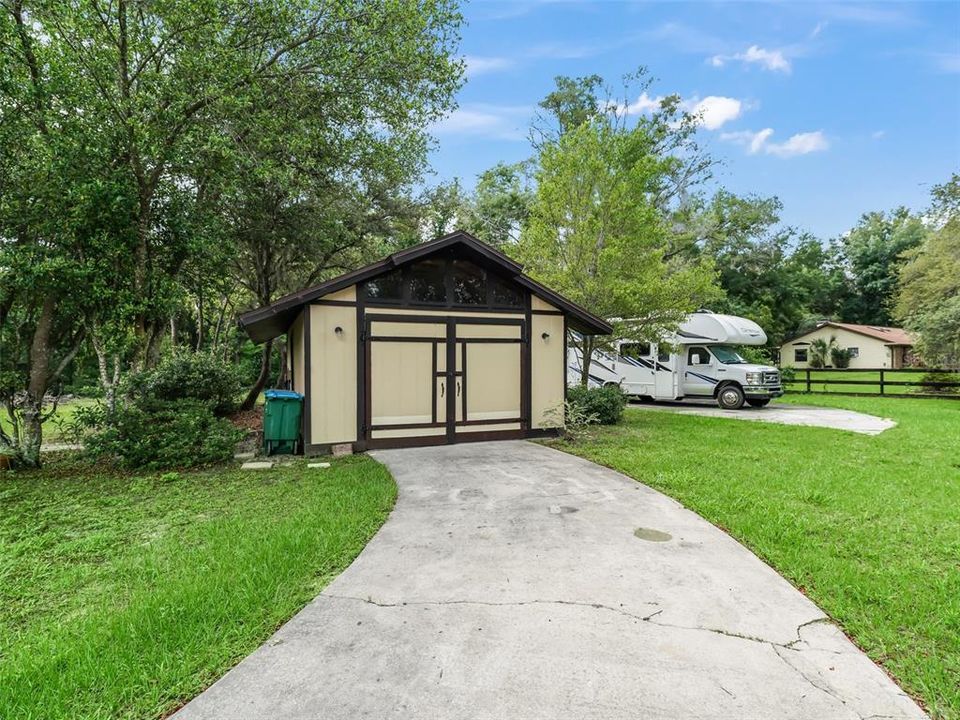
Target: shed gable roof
273 320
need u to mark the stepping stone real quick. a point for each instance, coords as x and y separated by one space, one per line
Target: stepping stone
318 465
257 465
244 455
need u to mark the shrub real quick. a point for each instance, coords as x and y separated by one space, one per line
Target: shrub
840 357
188 376
606 403
788 374
932 377
160 434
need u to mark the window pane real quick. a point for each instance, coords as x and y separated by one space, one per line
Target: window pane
469 284
385 287
426 282
799 355
635 350
505 295
698 356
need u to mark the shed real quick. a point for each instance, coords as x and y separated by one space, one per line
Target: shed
447 341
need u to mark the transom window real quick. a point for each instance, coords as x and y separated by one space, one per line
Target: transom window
446 282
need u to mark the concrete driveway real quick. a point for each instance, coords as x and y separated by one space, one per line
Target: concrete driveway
515 581
780 413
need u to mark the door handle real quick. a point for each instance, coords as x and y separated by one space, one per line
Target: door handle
443 385
458 388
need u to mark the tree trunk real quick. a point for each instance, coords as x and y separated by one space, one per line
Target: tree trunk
32 407
262 378
586 354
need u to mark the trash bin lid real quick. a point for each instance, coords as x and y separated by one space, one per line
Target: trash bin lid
286 394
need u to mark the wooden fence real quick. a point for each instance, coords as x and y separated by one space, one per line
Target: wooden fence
808 379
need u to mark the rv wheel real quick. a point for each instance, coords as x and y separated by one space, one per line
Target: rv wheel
730 397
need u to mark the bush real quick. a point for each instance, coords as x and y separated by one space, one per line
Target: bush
160 434
188 376
932 377
840 357
606 403
788 374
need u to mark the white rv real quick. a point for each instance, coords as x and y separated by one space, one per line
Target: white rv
699 360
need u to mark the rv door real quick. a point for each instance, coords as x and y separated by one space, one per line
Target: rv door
665 382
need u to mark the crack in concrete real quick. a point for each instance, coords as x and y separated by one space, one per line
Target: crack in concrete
597 606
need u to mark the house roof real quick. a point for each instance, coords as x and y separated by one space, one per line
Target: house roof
274 319
887 335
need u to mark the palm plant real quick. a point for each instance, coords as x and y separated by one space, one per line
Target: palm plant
820 350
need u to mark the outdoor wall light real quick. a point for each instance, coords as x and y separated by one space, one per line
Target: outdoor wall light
338 330
545 336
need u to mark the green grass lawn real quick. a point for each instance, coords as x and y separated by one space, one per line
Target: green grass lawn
867 526
53 429
124 596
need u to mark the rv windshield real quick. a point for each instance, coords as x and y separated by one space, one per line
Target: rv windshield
727 355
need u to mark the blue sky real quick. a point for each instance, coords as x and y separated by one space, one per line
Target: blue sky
837 108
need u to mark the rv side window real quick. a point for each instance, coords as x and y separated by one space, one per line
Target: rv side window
635 350
698 356
663 355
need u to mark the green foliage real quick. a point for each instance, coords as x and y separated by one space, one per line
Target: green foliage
940 377
840 357
161 434
820 350
602 405
125 596
184 375
874 252
928 295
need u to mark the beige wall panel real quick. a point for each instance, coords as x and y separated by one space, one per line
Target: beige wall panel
408 329
401 382
538 304
372 312
493 381
508 332
548 375
412 432
487 428
333 374
873 353
297 359
346 295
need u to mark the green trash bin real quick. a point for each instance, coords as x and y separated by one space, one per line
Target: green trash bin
281 422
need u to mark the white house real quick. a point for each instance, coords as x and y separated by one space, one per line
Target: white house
870 346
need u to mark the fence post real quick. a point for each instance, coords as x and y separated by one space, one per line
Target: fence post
881 382
808 379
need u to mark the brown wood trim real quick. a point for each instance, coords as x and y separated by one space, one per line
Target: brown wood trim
408 426
565 359
451 368
447 309
400 338
488 341
306 429
362 382
526 367
464 378
384 443
337 303
441 319
433 379
547 312
489 421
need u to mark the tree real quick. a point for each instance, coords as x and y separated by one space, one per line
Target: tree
595 236
821 350
928 294
116 120
874 253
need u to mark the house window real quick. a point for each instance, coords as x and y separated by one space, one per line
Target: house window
504 295
854 352
800 355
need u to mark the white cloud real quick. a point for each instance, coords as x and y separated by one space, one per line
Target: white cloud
499 122
759 142
477 65
713 111
878 134
948 62
773 60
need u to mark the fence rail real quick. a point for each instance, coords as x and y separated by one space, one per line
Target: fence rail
806 379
